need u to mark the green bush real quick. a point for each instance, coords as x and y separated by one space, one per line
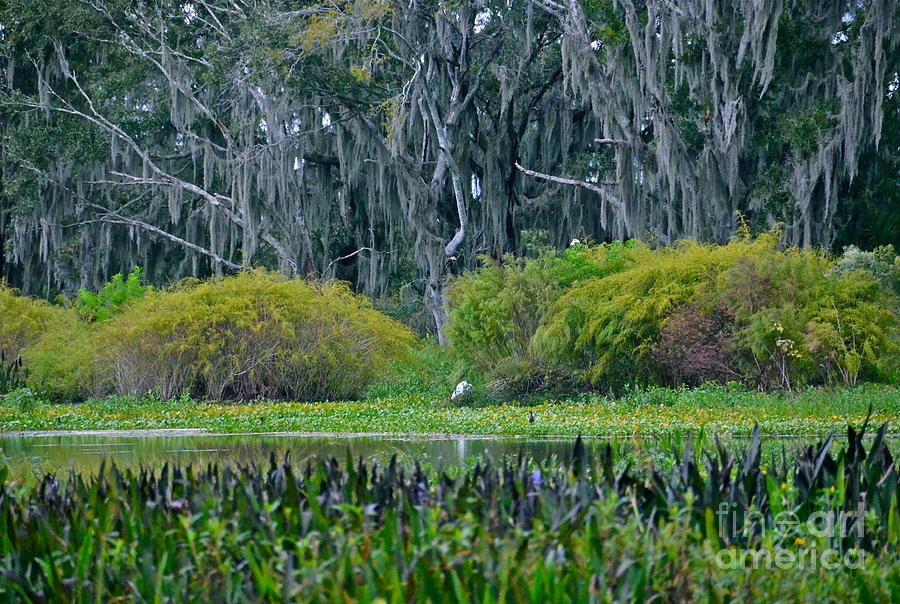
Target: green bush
427 373
254 335
23 399
526 378
249 336
608 325
744 312
496 310
23 321
851 330
882 264
114 295
787 319
57 351
63 364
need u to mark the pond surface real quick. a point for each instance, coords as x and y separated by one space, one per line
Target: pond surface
31 456
28 457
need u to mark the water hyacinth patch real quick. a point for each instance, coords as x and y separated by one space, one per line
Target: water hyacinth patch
654 412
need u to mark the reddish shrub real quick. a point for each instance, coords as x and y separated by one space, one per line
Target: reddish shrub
693 348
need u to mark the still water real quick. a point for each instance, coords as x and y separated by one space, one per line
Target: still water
29 457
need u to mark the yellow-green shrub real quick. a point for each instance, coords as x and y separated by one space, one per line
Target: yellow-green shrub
252 335
796 321
495 310
608 325
744 311
23 321
850 333
62 365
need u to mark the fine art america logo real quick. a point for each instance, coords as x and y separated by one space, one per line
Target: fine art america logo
813 544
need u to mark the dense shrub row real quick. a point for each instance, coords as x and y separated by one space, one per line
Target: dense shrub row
611 315
700 525
252 335
593 317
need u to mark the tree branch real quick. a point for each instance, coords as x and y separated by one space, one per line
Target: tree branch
350 255
591 186
113 217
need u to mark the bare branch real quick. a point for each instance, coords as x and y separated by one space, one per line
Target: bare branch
350 255
282 251
596 187
116 219
162 177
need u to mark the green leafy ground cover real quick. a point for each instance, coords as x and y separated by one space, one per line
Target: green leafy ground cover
648 413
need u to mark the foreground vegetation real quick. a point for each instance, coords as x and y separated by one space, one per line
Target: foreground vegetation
579 531
653 412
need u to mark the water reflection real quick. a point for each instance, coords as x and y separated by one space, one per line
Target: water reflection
32 456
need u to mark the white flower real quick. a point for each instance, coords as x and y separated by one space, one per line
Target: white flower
575 242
